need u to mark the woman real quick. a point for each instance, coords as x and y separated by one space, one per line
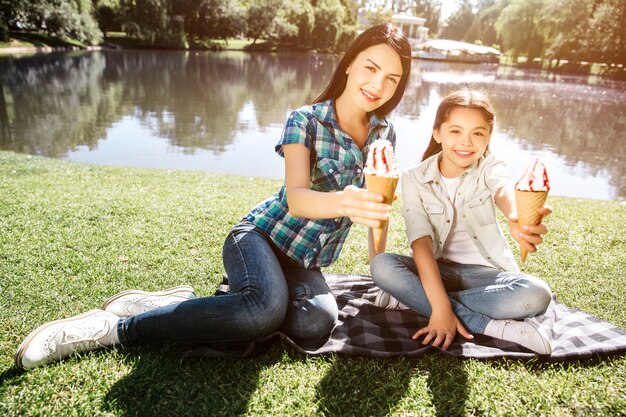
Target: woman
274 255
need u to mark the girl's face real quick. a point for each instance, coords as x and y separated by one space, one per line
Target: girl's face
464 138
373 77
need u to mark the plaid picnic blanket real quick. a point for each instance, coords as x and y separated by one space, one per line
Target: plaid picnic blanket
366 330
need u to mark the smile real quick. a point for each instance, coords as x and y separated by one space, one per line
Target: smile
464 154
368 96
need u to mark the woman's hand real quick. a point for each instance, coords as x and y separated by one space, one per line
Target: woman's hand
441 329
364 207
529 236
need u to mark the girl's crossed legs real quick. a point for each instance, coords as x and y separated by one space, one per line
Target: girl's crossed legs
480 295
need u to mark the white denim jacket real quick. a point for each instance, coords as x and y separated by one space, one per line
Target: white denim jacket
428 211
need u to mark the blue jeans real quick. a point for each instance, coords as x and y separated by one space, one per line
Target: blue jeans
268 292
477 293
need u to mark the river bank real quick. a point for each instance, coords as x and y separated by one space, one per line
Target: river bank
118 40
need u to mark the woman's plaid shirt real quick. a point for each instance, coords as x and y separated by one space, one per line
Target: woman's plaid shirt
338 162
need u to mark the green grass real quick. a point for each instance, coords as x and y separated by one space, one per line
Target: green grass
13 43
73 234
40 39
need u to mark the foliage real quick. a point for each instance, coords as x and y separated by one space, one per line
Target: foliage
520 26
4 31
429 10
219 19
300 14
152 22
573 30
458 23
605 38
379 15
108 14
565 32
67 19
332 27
351 7
328 25
7 10
483 28
260 16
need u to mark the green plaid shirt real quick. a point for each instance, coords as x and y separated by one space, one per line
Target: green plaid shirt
337 163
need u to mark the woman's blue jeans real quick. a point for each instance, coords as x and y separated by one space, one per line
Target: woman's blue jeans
477 293
268 292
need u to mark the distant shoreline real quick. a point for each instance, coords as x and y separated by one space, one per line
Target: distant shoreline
108 46
19 50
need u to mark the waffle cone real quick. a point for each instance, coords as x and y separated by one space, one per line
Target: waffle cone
528 205
385 186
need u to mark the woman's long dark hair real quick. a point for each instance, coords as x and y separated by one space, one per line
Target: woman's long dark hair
471 99
380 34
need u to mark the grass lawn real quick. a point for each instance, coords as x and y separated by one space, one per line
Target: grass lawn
38 40
73 234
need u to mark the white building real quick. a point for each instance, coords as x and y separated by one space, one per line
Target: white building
413 27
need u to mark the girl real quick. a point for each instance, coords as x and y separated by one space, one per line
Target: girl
273 256
462 273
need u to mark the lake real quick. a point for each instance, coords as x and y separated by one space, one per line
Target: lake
224 112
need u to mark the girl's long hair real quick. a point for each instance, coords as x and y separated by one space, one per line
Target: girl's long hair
380 34
471 99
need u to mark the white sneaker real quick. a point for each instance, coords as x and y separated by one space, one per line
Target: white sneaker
59 339
388 301
132 302
525 333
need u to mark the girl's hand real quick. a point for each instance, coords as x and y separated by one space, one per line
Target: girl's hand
441 329
364 207
529 236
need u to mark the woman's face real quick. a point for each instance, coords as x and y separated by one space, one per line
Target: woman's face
373 77
464 138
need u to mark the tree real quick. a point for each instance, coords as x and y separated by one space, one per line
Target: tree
566 32
520 25
153 22
605 40
260 18
108 14
379 15
67 19
300 16
429 10
459 22
7 9
332 30
483 28
351 8
215 18
71 19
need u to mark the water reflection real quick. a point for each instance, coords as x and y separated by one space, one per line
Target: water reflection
224 112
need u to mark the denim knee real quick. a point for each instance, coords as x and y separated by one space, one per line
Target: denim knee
311 318
538 296
381 267
532 297
266 313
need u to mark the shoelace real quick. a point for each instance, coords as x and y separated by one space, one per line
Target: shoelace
84 335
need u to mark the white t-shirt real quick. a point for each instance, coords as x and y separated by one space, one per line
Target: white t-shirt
428 211
459 246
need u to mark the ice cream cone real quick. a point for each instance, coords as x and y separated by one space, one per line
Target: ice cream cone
528 205
385 186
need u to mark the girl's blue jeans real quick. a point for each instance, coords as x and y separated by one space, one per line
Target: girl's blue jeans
477 293
268 292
